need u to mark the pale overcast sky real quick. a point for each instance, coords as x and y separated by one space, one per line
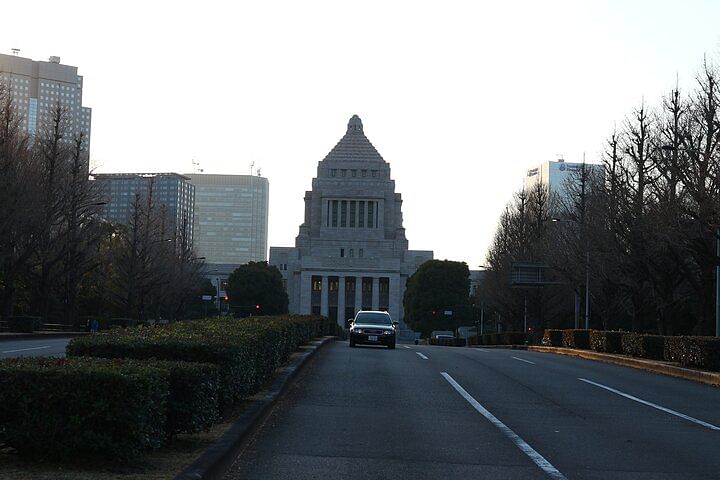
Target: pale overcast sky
461 98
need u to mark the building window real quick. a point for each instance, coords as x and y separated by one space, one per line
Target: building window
342 172
334 213
370 210
284 284
374 173
333 172
361 214
352 214
364 173
343 213
360 252
342 252
353 173
352 253
317 284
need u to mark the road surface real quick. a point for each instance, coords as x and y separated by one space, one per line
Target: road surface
426 412
34 347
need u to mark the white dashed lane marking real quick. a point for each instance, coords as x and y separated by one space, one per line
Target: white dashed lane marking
422 356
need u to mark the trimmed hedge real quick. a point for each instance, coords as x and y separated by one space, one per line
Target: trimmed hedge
606 341
447 342
576 338
246 351
193 402
645 346
553 338
696 352
74 407
24 324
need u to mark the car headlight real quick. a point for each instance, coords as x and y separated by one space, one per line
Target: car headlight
357 330
388 332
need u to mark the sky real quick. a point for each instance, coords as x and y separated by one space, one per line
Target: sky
460 97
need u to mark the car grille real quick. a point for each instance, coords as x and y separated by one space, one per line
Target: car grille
373 331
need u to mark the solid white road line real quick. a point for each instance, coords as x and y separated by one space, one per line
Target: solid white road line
539 460
27 349
523 360
650 404
422 356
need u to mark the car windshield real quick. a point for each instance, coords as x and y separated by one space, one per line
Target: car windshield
373 318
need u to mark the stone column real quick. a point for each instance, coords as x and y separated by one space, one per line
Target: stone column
358 294
395 297
375 293
341 302
305 292
324 297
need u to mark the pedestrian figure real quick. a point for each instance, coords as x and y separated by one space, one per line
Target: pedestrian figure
94 325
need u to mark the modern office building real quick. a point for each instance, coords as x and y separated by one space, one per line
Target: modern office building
170 191
556 175
39 86
351 252
231 220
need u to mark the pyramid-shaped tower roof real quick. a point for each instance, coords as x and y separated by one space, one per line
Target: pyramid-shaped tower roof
354 145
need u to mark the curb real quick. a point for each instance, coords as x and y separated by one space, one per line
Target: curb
662 368
26 336
215 461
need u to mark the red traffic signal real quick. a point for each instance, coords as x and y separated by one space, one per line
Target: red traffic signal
226 298
257 307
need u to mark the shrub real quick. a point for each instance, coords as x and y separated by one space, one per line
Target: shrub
697 352
576 338
24 324
247 351
645 346
193 403
606 341
673 349
59 407
447 342
487 339
512 338
553 338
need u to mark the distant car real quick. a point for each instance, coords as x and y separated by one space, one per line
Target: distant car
444 337
373 328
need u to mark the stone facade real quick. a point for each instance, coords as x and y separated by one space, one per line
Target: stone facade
351 253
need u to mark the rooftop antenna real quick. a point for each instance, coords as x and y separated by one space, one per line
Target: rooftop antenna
560 157
258 173
196 166
252 165
16 51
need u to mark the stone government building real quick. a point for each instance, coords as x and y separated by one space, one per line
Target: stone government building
351 253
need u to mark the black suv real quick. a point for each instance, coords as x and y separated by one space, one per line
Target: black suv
373 328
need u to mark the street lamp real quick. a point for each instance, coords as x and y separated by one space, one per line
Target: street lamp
587 284
482 304
673 148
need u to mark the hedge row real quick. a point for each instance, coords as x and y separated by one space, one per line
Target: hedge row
504 338
447 342
696 352
126 391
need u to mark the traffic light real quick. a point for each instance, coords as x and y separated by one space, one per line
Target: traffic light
257 307
226 298
433 312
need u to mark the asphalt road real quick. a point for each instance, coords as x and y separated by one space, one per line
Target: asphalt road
425 412
34 347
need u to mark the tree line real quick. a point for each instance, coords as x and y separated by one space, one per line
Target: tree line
59 260
641 229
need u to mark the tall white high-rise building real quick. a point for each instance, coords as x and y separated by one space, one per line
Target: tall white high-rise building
555 175
38 86
231 220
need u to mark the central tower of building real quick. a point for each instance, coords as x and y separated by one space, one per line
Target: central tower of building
351 253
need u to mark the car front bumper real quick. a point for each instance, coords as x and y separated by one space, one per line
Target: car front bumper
372 339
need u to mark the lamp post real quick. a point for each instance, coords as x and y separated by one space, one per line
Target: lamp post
482 304
674 148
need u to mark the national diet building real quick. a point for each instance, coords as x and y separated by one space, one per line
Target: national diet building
351 253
